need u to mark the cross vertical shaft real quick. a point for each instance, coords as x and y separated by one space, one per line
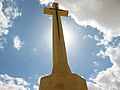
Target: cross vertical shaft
57 18
60 64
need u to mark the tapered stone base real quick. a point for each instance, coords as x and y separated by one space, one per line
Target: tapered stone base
63 82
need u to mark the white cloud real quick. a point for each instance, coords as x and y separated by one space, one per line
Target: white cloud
92 86
10 83
109 79
17 42
96 38
87 36
101 53
114 54
7 14
46 2
96 63
36 87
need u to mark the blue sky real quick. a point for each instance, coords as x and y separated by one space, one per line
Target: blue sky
93 49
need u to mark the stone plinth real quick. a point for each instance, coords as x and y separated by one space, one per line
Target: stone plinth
63 82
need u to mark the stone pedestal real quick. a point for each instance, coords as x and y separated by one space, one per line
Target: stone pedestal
63 82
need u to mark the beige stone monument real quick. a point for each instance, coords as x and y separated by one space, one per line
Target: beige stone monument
61 78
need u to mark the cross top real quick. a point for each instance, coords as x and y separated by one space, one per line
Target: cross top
56 12
55 5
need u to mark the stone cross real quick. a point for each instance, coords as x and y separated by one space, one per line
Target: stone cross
60 65
61 78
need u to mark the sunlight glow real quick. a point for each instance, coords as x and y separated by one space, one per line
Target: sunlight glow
68 36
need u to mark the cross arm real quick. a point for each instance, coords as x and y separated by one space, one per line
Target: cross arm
63 12
48 11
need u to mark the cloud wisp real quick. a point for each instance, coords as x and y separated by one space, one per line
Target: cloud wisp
10 83
17 42
8 12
